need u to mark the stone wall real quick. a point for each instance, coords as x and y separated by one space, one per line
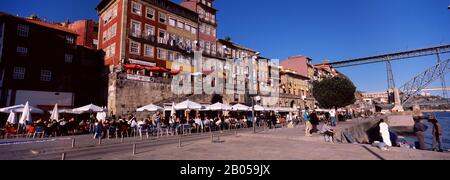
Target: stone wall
125 96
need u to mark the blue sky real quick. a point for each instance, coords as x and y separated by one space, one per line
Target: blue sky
320 29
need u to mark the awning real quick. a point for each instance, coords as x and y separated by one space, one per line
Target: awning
143 63
133 66
175 72
157 69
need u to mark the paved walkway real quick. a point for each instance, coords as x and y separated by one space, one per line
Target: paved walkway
280 144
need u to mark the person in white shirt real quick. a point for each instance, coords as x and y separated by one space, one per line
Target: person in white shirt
199 123
384 131
333 117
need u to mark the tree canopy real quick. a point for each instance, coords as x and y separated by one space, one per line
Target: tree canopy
334 92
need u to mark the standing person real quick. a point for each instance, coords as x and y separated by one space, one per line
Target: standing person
437 134
91 123
419 131
273 121
384 131
333 117
308 125
99 130
314 122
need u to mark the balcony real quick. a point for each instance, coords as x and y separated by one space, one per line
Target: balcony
146 38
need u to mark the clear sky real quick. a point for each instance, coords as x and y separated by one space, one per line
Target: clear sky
320 29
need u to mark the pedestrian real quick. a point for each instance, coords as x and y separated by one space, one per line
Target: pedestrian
419 131
384 132
437 133
333 117
314 122
328 131
99 130
308 125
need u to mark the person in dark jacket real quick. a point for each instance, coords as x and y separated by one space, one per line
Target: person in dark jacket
419 131
437 134
314 121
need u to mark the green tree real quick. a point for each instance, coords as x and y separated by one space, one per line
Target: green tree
334 92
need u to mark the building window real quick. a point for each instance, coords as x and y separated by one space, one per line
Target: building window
187 27
162 37
113 31
162 18
194 30
172 22
135 48
110 51
150 13
136 8
68 58
148 51
19 73
22 51
135 28
70 39
161 54
23 30
180 25
149 30
46 75
109 15
171 56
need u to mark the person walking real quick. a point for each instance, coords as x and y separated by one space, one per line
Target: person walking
314 122
437 133
384 131
308 125
419 131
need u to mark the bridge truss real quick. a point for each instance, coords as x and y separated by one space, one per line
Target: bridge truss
419 82
414 86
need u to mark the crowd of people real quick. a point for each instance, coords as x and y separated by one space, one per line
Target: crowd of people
152 125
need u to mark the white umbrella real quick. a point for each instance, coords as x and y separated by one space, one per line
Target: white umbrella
19 109
68 111
26 115
88 108
12 118
55 113
240 107
219 107
260 108
188 105
150 108
10 108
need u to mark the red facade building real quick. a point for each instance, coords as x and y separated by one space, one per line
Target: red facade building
41 62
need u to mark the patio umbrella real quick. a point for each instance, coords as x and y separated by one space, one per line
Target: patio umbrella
150 108
8 109
188 105
88 108
240 107
55 113
219 107
12 118
259 108
26 115
20 108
